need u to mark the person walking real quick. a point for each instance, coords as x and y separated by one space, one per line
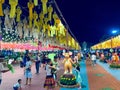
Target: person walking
37 63
93 58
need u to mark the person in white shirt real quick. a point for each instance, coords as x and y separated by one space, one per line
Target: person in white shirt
93 58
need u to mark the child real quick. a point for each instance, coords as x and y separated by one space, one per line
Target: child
17 86
49 81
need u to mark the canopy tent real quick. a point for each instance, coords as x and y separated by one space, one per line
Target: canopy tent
113 42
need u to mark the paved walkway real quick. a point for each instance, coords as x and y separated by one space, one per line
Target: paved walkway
10 79
114 72
100 79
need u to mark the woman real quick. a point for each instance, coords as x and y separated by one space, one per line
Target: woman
28 73
49 81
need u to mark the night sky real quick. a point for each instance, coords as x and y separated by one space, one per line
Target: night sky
89 20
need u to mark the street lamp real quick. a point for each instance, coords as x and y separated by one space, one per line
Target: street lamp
115 32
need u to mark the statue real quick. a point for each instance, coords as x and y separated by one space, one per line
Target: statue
67 63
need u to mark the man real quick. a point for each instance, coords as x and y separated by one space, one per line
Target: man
2 70
37 63
93 58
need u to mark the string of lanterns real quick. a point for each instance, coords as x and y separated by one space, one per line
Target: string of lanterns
42 26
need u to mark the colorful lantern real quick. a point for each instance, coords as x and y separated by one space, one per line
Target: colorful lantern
13 4
20 32
1 10
18 12
30 6
25 28
7 19
44 6
35 17
35 2
50 10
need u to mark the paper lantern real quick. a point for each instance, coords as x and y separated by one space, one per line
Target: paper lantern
20 32
18 12
25 28
13 4
35 2
1 9
35 17
30 6
44 6
50 10
7 20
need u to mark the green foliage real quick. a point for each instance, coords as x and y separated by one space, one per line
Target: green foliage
11 68
68 80
113 65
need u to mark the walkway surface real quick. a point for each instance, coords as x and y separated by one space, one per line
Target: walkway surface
100 79
93 78
10 79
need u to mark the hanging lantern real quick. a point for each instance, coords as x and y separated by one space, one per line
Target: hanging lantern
18 12
35 2
7 19
50 10
1 9
35 17
49 31
20 32
30 6
44 6
13 4
41 16
25 28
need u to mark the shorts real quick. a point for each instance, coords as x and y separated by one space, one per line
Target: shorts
15 88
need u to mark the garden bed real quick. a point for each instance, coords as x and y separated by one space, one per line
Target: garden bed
113 65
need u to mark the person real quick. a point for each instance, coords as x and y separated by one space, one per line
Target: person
17 86
37 63
28 73
49 81
55 69
2 70
93 58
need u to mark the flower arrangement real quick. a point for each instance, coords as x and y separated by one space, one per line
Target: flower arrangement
68 80
113 65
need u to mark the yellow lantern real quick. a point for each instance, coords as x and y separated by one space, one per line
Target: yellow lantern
13 4
30 6
44 6
35 17
35 2
1 10
50 10
18 12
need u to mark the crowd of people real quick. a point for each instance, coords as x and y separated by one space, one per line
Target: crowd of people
46 60
103 56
